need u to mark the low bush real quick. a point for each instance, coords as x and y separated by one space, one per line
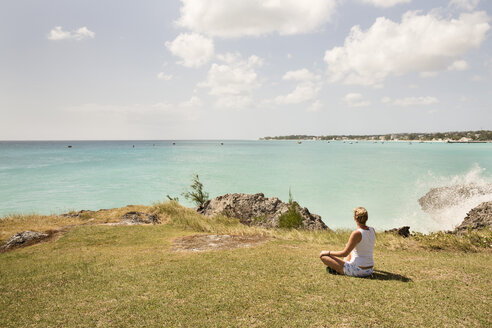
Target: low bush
292 219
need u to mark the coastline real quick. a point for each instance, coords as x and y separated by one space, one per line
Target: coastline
46 178
384 141
479 136
184 266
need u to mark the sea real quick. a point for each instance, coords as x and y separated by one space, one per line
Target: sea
329 178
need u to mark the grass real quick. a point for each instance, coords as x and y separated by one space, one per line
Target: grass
12 224
126 276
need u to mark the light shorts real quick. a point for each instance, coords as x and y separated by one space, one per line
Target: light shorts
353 270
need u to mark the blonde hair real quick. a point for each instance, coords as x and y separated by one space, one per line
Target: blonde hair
360 215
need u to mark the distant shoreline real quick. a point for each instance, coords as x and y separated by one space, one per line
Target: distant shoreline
383 141
481 136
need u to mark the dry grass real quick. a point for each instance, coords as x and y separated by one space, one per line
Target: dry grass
128 276
186 218
12 224
473 241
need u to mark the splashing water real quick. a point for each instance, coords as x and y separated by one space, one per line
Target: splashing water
449 199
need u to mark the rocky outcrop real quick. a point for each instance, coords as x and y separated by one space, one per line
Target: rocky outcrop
23 238
479 217
257 210
133 218
438 198
403 231
79 214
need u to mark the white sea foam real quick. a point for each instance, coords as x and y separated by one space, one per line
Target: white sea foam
456 203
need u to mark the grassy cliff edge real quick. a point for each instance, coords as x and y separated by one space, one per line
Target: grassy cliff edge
124 276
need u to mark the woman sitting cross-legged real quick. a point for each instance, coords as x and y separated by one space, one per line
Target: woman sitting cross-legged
358 253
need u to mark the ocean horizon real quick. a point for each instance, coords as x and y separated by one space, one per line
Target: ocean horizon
329 178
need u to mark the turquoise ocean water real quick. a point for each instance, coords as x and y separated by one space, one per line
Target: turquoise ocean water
328 178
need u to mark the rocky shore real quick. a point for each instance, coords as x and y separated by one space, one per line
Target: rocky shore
251 210
479 217
258 210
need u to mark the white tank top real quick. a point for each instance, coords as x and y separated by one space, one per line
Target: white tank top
363 251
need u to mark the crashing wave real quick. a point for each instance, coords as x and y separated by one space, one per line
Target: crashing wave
449 199
442 197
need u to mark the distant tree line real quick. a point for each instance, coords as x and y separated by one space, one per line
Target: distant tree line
481 135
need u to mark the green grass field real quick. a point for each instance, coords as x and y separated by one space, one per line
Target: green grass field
127 276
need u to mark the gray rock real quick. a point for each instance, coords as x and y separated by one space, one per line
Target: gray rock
403 231
23 238
132 218
442 197
479 217
79 214
257 210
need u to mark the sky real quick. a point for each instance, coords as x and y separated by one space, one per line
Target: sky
236 69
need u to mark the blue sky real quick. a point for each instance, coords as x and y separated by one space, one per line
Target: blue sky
234 69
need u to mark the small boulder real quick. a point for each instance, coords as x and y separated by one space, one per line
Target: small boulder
403 231
23 238
479 217
132 218
79 214
257 210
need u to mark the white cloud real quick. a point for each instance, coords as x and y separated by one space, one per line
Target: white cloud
385 3
459 65
355 100
229 57
164 76
194 49
236 18
464 4
410 101
420 43
303 92
315 106
307 88
301 75
233 81
57 34
193 102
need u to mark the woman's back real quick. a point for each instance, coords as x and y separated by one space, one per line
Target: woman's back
362 254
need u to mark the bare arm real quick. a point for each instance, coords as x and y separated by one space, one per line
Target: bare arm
354 239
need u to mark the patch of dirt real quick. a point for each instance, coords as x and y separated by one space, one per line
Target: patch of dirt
199 243
50 235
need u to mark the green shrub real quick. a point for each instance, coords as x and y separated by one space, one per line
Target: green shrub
292 218
173 199
196 195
